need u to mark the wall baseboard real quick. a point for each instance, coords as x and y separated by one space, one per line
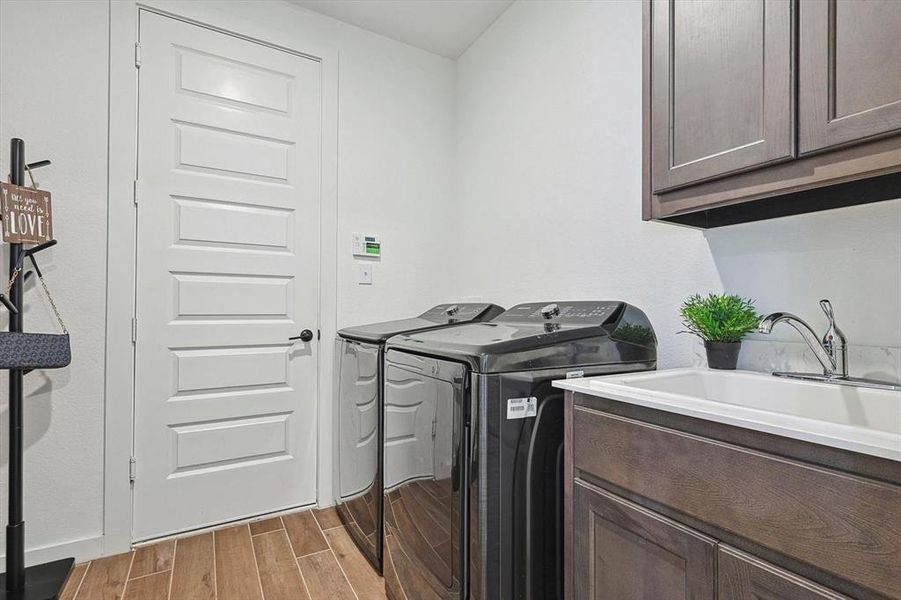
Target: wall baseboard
84 549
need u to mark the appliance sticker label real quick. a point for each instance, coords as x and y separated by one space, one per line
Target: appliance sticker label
575 374
521 408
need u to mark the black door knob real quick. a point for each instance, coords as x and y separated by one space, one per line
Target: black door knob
305 336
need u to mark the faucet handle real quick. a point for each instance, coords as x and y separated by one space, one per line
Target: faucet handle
827 308
833 334
834 340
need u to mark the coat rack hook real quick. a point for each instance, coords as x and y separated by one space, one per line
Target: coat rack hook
37 165
9 305
35 249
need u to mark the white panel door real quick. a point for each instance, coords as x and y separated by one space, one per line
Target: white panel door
227 271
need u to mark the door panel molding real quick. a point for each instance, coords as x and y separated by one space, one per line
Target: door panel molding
624 550
686 148
825 120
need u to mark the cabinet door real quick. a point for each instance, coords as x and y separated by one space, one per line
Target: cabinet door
850 71
744 577
624 552
721 88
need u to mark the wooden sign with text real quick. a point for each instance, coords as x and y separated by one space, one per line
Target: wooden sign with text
27 215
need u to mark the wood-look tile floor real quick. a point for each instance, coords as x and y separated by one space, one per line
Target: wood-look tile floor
301 556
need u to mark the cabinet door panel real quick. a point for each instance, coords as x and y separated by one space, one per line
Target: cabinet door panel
850 71
744 577
624 552
721 92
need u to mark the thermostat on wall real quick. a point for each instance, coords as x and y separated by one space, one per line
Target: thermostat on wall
367 245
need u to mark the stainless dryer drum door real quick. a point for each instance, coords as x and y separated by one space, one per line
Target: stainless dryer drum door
423 455
358 444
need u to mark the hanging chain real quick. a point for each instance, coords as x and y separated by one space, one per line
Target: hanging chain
18 269
34 184
52 303
12 280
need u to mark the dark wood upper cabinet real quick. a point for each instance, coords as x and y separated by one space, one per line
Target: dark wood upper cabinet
744 577
721 88
755 109
626 552
850 71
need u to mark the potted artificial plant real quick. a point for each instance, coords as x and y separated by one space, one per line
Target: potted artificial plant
721 320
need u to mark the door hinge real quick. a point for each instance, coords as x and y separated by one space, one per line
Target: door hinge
132 468
134 330
137 55
136 192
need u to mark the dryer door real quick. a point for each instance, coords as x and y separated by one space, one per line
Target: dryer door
423 432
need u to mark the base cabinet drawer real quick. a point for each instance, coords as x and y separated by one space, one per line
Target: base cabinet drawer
625 552
744 577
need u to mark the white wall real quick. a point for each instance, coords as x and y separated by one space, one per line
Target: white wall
549 169
395 165
548 155
53 95
394 161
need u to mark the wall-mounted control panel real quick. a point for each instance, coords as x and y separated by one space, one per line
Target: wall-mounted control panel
367 244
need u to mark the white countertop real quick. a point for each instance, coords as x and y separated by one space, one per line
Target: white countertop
851 418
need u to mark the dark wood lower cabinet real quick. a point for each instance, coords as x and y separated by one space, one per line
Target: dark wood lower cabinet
657 513
744 577
625 552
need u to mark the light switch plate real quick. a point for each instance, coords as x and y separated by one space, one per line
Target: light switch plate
364 276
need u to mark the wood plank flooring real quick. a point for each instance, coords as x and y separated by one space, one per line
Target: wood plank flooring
301 556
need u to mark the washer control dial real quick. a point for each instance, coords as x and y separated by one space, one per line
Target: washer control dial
550 311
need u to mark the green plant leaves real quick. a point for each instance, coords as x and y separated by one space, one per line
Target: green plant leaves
719 317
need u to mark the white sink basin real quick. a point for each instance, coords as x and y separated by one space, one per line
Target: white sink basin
853 418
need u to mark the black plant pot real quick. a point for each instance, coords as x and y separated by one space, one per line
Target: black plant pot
722 355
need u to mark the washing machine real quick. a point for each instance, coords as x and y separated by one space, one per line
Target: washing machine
359 355
473 445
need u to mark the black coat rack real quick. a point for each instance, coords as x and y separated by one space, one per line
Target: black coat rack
39 582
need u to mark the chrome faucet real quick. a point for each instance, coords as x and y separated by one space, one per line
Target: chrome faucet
831 351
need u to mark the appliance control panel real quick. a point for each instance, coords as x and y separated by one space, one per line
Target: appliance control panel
461 311
582 312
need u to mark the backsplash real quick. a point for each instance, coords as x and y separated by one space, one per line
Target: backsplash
873 362
851 256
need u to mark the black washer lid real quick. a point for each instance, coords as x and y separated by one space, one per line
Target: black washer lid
437 316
